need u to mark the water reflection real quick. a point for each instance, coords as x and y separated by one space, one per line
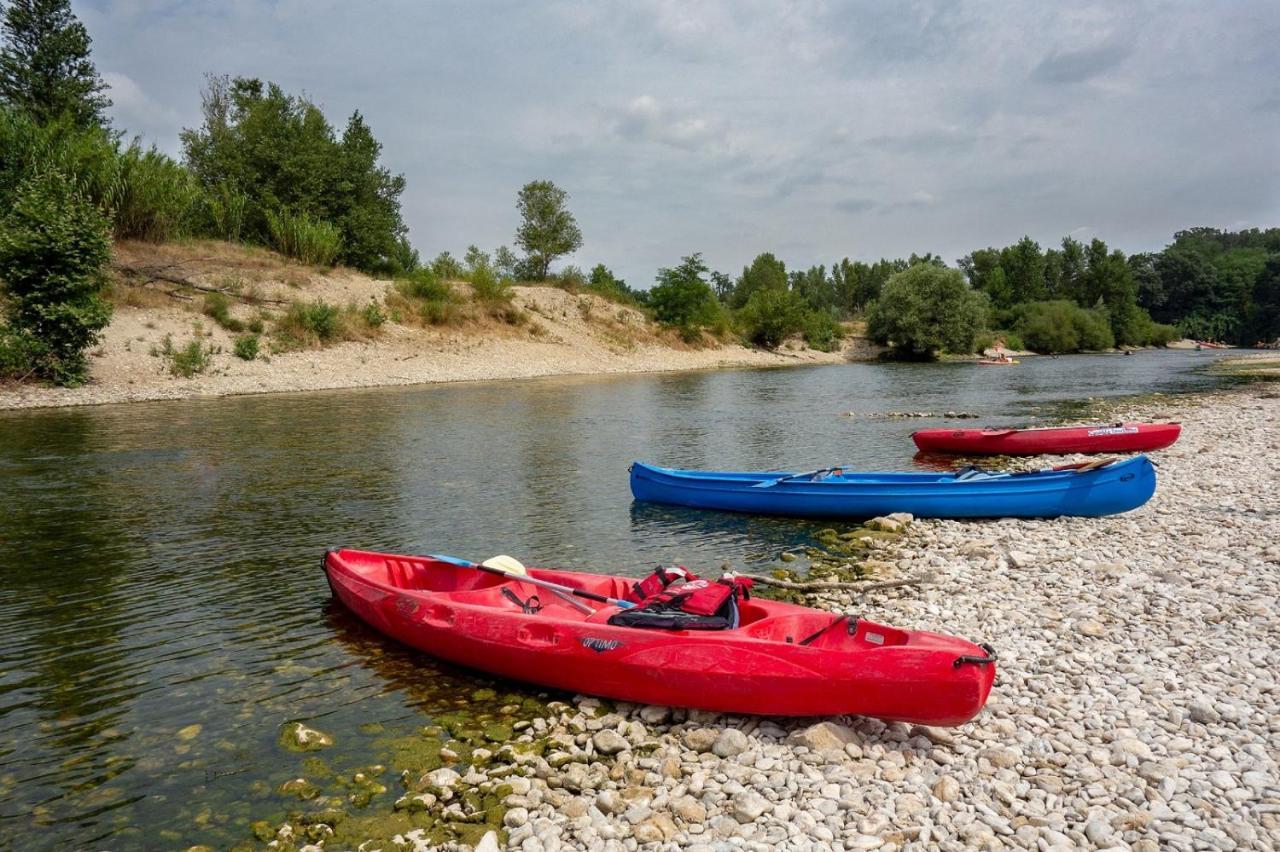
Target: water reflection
162 614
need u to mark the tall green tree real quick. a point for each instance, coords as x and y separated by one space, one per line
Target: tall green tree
925 310
766 272
547 228
281 155
45 67
682 296
1023 266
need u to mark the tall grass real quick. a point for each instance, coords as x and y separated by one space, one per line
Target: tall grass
154 196
306 239
319 323
225 210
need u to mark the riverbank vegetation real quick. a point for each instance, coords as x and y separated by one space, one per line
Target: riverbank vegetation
267 168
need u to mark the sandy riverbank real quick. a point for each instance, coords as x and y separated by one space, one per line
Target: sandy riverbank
560 333
1137 704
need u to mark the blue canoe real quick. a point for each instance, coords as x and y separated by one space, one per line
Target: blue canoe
1102 489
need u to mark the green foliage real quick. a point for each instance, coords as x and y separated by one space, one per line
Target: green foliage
155 196
766 272
926 309
1062 326
281 154
822 332
683 298
193 358
488 287
20 354
316 321
423 283
223 210
299 236
571 277
446 266
1263 318
246 347
770 316
603 282
53 247
372 315
45 68
218 307
547 228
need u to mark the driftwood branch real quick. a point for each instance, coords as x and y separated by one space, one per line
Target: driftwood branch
828 586
150 274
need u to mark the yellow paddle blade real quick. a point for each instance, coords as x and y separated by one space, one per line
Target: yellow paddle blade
508 564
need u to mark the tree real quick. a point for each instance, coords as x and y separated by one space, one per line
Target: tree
45 67
1023 266
682 297
54 245
926 309
280 154
815 288
547 230
766 272
770 316
603 281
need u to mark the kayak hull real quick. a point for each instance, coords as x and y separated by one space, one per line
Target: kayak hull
1117 487
460 615
1116 438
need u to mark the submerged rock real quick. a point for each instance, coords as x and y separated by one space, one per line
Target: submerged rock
296 736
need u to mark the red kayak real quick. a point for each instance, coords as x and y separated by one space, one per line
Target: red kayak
781 659
1057 440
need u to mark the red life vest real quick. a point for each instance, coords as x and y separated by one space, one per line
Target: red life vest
696 604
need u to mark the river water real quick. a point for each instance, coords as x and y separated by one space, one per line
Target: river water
162 613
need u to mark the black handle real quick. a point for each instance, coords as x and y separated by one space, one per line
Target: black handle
978 661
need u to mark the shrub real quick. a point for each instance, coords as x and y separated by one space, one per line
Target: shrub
306 239
195 357
218 307
372 315
446 266
423 283
246 347
770 316
1062 326
53 247
20 354
822 331
488 287
155 196
683 298
223 213
926 309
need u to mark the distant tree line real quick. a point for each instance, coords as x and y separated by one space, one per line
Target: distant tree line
267 167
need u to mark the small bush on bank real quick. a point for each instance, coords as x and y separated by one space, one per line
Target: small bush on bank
303 238
319 324
218 308
246 347
186 361
1062 326
822 331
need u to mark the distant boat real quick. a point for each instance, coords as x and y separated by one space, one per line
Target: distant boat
997 362
1101 487
1059 440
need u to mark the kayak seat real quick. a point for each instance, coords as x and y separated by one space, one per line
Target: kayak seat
430 576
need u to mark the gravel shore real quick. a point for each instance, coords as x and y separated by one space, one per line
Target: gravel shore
1136 707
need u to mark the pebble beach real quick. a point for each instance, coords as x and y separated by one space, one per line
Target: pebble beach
1136 705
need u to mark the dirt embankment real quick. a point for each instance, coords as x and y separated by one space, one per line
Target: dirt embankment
557 333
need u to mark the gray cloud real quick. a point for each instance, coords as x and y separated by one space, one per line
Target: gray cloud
814 129
1077 66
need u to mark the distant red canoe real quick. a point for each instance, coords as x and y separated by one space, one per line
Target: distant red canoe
782 660
1057 440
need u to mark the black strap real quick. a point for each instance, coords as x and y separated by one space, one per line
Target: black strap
530 606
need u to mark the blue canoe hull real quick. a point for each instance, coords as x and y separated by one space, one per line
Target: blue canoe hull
1118 487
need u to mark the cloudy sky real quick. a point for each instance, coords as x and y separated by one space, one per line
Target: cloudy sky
816 130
